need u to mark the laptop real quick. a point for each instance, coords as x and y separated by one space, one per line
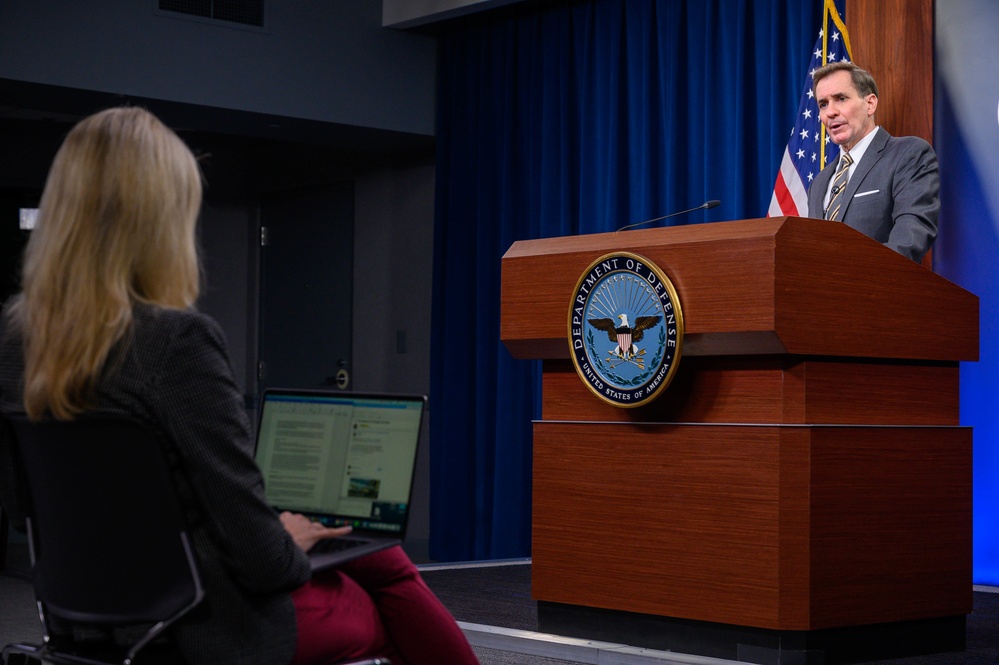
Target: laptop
341 458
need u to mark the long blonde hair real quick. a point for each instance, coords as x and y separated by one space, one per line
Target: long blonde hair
116 227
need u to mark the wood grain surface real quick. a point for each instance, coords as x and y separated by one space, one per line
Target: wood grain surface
783 285
773 390
791 528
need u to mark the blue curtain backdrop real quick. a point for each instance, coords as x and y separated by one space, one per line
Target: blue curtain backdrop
559 118
966 136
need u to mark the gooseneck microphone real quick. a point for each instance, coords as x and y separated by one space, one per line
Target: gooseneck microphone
704 206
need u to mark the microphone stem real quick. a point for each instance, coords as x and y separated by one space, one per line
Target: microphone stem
672 214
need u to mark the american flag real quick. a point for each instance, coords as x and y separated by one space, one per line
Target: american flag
809 148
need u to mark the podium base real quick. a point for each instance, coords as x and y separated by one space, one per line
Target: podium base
850 644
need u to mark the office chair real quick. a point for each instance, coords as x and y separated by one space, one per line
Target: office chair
106 537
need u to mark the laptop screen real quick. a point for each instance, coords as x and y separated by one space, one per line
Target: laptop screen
340 458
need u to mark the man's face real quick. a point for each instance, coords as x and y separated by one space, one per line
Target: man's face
848 117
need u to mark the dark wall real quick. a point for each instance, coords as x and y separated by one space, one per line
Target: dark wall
12 241
323 61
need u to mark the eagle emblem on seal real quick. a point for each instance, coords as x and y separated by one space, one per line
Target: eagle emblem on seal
626 336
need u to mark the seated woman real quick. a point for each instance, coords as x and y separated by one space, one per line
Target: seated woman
105 322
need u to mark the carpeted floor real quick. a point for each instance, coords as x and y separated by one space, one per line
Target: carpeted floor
492 595
499 595
496 657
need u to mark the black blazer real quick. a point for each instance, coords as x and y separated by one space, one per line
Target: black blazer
893 195
175 373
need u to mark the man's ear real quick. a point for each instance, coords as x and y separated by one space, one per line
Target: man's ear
872 104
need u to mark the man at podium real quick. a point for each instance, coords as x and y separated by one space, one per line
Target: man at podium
884 186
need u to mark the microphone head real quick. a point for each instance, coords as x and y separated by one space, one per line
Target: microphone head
714 203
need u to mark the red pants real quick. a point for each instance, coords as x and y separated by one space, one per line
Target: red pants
377 605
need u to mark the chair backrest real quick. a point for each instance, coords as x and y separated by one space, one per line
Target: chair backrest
106 531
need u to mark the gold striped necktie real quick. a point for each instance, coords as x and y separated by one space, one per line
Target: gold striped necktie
839 185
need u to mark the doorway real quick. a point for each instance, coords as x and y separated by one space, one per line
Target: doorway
306 288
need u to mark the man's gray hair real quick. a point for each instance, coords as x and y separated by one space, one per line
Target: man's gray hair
862 80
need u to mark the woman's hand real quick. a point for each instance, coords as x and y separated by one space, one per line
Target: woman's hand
307 533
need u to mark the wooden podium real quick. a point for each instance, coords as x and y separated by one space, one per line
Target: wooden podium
804 473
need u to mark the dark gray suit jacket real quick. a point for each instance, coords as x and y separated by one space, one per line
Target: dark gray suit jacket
175 373
893 195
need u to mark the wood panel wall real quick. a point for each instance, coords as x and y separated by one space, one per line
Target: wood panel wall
893 40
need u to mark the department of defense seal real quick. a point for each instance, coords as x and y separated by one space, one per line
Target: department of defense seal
625 329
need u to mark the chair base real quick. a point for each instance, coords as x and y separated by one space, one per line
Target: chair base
22 654
38 654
